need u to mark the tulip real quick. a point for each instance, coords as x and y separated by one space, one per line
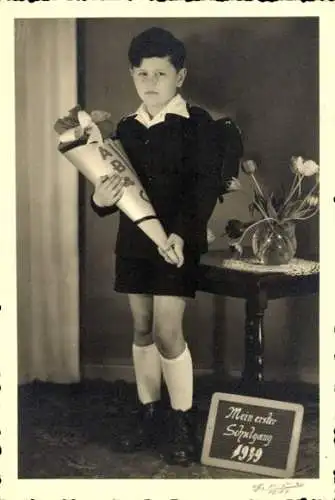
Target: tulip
296 164
307 168
249 167
310 168
312 200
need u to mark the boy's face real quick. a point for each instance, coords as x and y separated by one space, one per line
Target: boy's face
156 81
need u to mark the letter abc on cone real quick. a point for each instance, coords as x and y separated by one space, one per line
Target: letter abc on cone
95 159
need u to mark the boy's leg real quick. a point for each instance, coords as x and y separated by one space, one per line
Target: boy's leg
178 373
148 374
146 358
175 355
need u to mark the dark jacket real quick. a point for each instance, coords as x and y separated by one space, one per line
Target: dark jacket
178 163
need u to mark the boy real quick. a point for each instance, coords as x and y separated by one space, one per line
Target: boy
171 146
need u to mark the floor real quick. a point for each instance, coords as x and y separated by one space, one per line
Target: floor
69 431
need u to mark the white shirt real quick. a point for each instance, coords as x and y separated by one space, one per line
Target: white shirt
176 106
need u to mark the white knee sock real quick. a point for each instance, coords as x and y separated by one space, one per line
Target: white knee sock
148 372
178 375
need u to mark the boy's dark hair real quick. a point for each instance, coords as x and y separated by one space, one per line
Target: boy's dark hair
156 42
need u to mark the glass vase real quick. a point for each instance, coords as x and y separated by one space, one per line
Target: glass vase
274 243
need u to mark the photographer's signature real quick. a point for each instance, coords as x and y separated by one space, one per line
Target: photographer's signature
275 489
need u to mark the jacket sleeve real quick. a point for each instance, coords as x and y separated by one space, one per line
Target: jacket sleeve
201 188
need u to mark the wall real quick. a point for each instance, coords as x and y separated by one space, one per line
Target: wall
263 73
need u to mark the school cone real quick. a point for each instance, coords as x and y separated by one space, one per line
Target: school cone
95 157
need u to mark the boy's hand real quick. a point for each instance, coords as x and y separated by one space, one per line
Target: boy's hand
173 253
108 190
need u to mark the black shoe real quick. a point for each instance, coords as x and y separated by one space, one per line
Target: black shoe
146 431
182 447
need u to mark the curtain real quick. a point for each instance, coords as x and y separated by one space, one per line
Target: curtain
47 203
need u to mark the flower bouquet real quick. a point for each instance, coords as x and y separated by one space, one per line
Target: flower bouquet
273 237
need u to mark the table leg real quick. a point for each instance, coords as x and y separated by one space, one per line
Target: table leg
256 304
218 338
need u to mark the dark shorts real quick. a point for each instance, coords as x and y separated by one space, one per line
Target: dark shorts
156 277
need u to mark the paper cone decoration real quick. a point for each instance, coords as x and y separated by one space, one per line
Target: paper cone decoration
95 157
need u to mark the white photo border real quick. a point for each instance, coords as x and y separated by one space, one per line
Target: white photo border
10 487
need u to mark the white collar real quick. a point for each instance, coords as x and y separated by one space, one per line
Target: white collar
176 106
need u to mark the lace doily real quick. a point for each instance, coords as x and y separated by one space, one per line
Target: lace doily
294 267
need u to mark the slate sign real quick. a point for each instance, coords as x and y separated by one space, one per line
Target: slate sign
252 435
